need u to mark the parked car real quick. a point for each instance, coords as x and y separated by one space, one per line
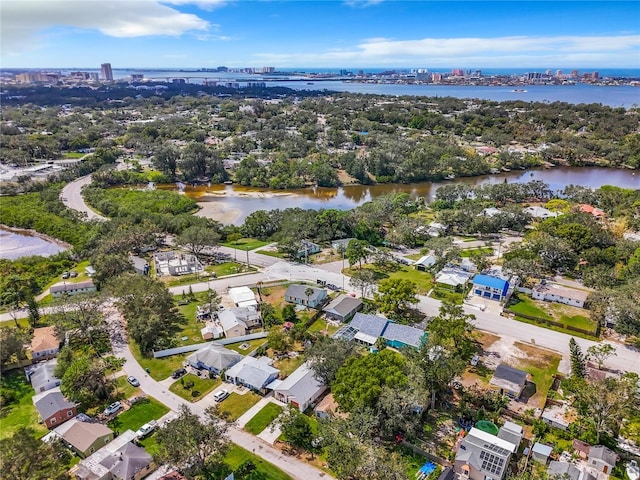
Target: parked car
178 373
113 408
73 274
133 381
221 395
146 429
475 360
66 275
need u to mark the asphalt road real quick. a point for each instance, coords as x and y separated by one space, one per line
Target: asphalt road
71 196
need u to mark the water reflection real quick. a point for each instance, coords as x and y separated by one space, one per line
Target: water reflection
16 245
232 203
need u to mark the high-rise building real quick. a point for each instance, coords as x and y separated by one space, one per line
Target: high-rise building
106 73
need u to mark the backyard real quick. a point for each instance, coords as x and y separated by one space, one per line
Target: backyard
158 368
423 280
20 412
194 388
245 244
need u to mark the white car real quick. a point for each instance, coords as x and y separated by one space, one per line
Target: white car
111 409
220 395
146 429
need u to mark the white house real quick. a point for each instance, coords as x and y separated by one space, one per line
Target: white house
254 373
560 294
483 456
243 296
540 212
425 262
299 389
64 288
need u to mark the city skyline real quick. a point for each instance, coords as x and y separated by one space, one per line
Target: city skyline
322 34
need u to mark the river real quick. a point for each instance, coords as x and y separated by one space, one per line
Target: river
233 203
17 244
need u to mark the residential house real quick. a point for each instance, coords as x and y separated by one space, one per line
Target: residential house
453 278
491 288
541 452
436 229
560 294
567 470
540 212
231 325
212 331
307 248
581 448
327 407
140 265
254 373
509 381
367 329
341 244
176 263
299 389
53 408
213 358
489 212
602 459
483 456
423 263
65 288
558 416
42 378
402 336
86 438
249 315
297 294
512 433
90 271
243 297
120 459
342 308
45 343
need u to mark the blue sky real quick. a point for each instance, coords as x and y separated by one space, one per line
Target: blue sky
330 34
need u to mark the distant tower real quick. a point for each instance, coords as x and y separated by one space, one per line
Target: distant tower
106 73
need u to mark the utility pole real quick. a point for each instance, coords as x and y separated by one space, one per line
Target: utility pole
248 265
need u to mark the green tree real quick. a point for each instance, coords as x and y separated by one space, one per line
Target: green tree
24 457
289 313
296 428
359 381
600 353
327 355
12 342
85 380
193 445
166 159
198 239
578 361
308 292
80 318
279 340
452 329
34 313
364 279
357 251
395 295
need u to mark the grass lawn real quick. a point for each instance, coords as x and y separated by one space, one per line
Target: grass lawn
263 418
159 368
236 456
125 389
246 244
21 412
413 461
271 253
191 327
73 155
201 385
414 256
274 295
253 344
574 316
139 414
288 365
542 365
423 280
440 293
220 270
521 303
470 251
235 405
320 325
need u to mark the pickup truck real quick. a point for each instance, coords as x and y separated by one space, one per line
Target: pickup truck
146 429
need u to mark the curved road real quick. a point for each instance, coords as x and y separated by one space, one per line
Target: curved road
71 196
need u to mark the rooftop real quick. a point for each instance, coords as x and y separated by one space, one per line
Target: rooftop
489 281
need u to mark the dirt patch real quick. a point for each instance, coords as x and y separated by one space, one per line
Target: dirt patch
274 295
486 339
535 356
326 256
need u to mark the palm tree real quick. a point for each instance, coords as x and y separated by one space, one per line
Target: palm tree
308 292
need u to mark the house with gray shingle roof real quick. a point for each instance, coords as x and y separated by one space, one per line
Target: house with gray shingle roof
42 377
53 408
343 308
509 381
296 294
367 329
254 373
214 358
400 336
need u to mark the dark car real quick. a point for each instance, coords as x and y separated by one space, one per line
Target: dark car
178 373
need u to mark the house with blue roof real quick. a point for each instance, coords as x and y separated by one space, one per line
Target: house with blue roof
489 287
367 329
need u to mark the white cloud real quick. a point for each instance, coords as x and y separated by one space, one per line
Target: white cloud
617 50
23 20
